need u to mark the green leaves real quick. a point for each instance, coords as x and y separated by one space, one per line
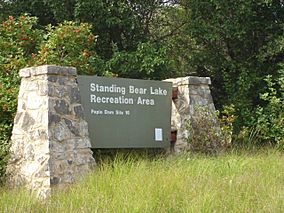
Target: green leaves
69 44
147 62
241 43
270 119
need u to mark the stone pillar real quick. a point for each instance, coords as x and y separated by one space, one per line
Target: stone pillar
199 93
50 143
192 91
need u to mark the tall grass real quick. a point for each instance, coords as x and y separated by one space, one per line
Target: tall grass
235 182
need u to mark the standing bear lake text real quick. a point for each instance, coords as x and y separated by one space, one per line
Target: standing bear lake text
114 94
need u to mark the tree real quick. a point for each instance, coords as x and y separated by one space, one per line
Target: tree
37 8
231 36
122 27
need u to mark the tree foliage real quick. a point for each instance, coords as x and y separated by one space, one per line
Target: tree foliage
232 38
123 28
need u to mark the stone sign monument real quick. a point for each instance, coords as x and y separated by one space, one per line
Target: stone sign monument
50 138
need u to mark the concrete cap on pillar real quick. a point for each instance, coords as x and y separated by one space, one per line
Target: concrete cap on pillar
47 70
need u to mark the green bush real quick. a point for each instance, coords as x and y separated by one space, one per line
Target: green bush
4 149
18 41
70 44
207 133
266 128
270 119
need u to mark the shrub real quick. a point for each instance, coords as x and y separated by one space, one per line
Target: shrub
4 150
70 44
18 41
266 128
207 133
270 119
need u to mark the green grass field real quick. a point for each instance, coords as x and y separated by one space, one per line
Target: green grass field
236 182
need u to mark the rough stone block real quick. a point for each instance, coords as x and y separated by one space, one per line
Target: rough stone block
78 111
24 73
193 80
62 107
34 101
75 95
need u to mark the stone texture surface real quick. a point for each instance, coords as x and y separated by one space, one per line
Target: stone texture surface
192 91
50 143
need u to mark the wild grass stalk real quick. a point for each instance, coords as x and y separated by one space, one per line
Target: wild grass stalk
235 182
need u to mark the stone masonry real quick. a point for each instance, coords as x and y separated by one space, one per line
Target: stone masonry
50 143
192 91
